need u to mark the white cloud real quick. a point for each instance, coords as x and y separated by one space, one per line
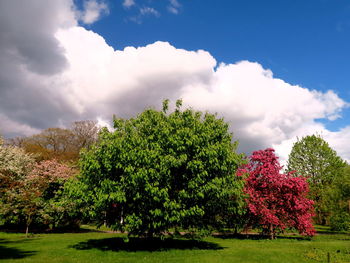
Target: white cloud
91 80
92 12
143 12
149 73
174 6
337 140
15 128
149 11
175 3
173 10
262 110
128 3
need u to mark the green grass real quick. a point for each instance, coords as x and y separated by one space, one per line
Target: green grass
106 247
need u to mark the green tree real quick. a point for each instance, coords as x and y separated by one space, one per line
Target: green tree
161 171
340 201
311 156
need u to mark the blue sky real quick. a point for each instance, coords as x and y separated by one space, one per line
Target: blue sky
274 70
302 42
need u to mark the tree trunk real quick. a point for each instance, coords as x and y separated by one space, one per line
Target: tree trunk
29 220
150 234
271 232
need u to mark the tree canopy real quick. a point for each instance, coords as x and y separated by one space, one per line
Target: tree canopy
160 171
276 201
29 190
312 157
62 144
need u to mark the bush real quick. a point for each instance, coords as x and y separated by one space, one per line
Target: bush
340 221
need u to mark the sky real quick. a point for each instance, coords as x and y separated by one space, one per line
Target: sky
275 70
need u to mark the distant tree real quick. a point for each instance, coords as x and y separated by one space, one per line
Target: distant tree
160 171
313 158
52 143
276 201
339 193
85 134
58 143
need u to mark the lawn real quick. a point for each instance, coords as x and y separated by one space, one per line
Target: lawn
107 247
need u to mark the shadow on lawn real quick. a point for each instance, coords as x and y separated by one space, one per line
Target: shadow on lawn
11 252
142 244
256 237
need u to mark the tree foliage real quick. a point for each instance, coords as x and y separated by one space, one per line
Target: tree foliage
160 171
339 193
15 164
276 201
59 143
28 192
312 157
14 161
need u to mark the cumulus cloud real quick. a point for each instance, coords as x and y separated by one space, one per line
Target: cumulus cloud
338 140
27 37
31 60
85 78
263 110
92 12
125 82
16 128
257 105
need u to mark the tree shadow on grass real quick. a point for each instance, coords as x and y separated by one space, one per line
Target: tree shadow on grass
143 244
11 252
254 236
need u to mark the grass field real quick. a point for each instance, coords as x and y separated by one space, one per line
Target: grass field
107 247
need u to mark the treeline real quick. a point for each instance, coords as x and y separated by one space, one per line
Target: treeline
60 144
164 172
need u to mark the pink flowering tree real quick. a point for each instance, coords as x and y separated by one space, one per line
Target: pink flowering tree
276 201
33 193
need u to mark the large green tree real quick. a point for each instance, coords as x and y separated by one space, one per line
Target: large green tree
311 156
162 171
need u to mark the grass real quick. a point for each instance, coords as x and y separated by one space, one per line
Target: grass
95 246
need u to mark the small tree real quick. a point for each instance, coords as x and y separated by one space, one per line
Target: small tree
15 164
158 171
276 201
43 185
28 187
